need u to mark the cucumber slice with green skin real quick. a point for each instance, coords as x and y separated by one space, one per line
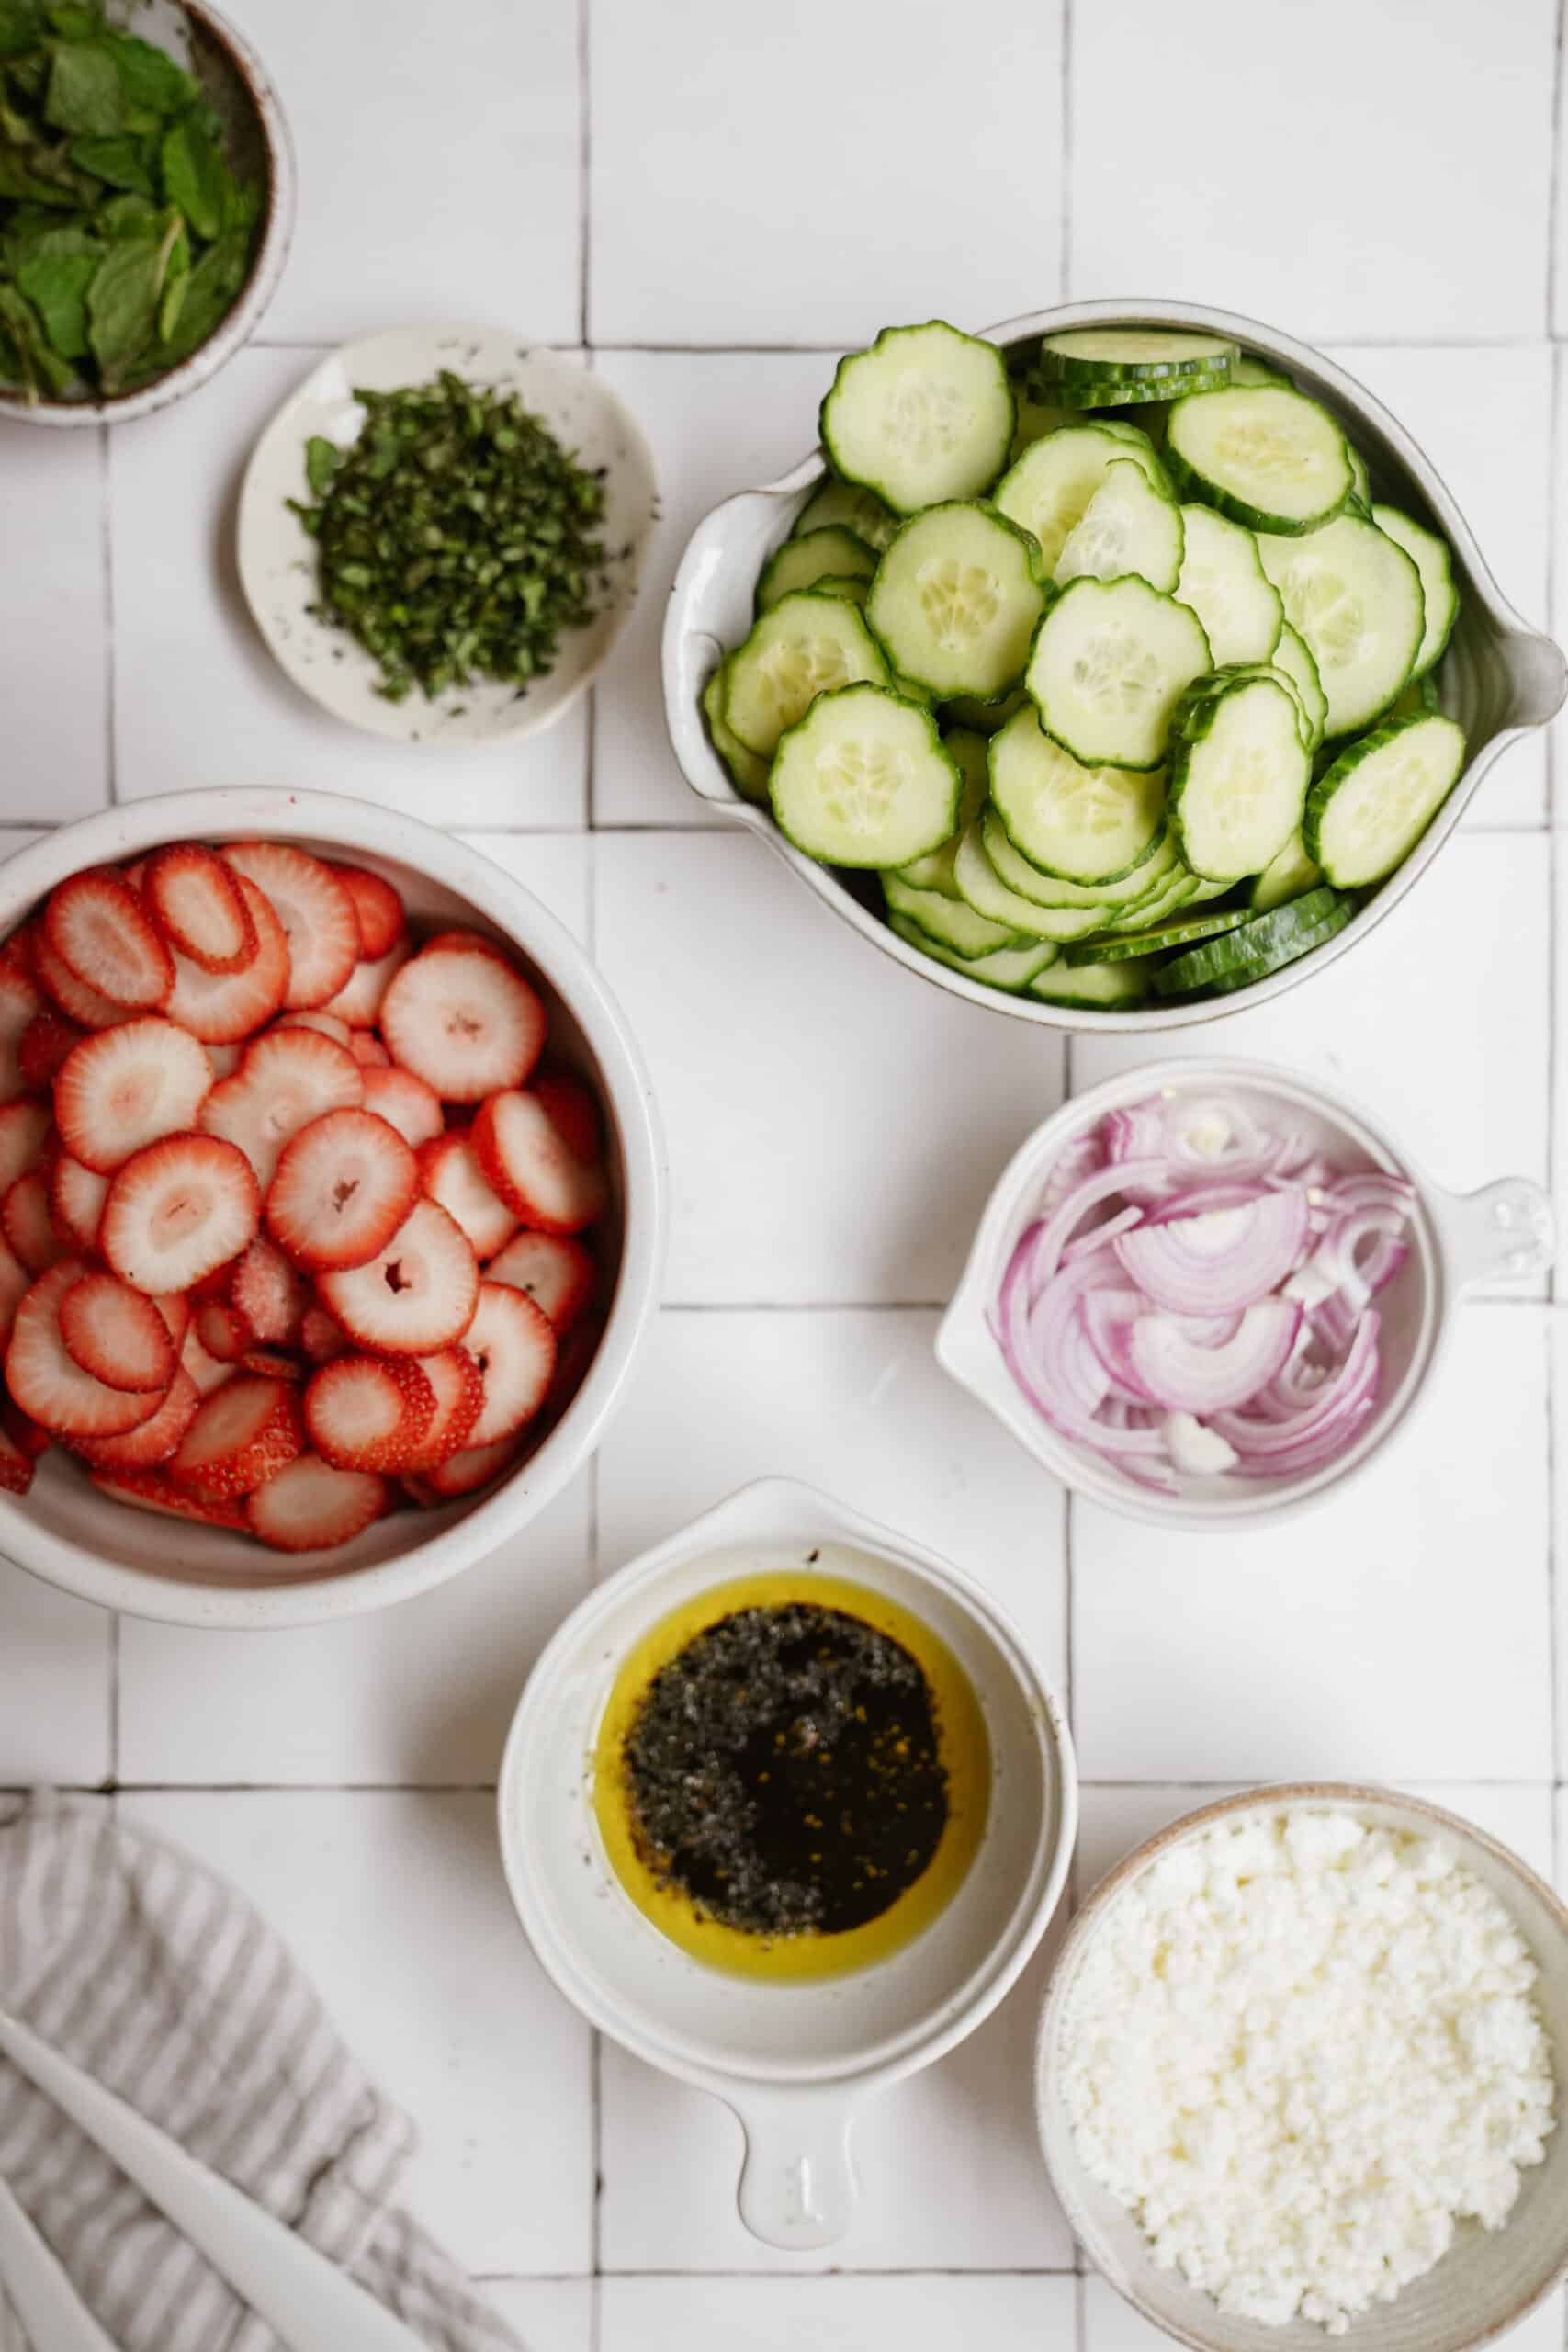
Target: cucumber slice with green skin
953 923
1293 657
934 871
1356 599
1251 371
809 644
1222 581
1037 415
1097 396
1261 946
1011 968
865 779
1109 662
1127 527
1420 695
1263 456
1360 479
1430 556
1289 875
853 509
1157 940
926 414
1239 773
984 717
957 598
1177 891
1133 354
1048 489
1366 815
984 889
1115 987
831 553
1086 824
750 774
1135 888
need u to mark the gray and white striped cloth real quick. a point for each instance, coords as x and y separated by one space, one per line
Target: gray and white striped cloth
160 1979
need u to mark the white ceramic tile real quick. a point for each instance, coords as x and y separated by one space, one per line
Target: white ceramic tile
834 1123
1401 1628
53 659
1559 1376
396 1908
702 119
439 162
854 1404
549 2315
718 421
950 2176
1112 2325
54 1685
1321 208
920 2314
420 1695
556 866
198 699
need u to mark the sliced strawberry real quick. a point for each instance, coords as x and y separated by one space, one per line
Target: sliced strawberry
458 1387
327 1024
104 936
20 1005
574 1108
81 1004
471 942
24 1128
450 1172
405 1103
315 910
23 1430
342 1188
310 1506
15 1284
378 907
124 1088
43 1046
196 902
204 1368
222 1330
359 1002
16 1468
221 1007
47 1382
514 1344
532 1166
466 1472
155 1490
225 1060
465 1022
178 1211
29 1229
369 1412
553 1269
368 1050
250 1429
174 1306
288 1078
272 1363
156 1440
321 1336
418 1296
117 1335
271 1294
76 1197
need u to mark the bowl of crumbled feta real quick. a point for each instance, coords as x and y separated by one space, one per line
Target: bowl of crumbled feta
1301 2073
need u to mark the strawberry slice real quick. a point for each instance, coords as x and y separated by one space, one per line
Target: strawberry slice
124 1088
76 1197
174 1308
178 1211
343 1186
43 1046
369 1412
204 1369
458 1387
368 1050
156 1440
119 1335
222 1330
315 910
196 902
225 1060
574 1108
378 907
155 1490
359 1002
272 1363
450 1172
327 1024
309 1507
20 1005
553 1269
534 1168
239 1436
221 1007
15 1465
24 1126
471 943
15 1284
74 997
464 1472
104 937
29 1229
288 1078
418 1296
321 1336
23 1430
405 1103
463 1022
270 1293
514 1344
46 1382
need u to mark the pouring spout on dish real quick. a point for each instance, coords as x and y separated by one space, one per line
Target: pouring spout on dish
1538 678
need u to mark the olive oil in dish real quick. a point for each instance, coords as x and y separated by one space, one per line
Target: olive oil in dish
791 1776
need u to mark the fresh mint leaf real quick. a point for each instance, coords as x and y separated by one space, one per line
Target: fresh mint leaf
118 160
85 95
195 174
150 78
55 279
40 367
209 294
128 216
122 306
323 458
22 27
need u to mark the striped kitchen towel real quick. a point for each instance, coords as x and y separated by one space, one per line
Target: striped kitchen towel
162 1981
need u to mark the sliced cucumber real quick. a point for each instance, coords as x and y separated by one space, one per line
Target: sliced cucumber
1289 875
1107 396
951 923
1430 556
1036 418
1133 354
1114 987
1239 773
1294 658
1127 527
1360 479
1224 582
1109 663
927 414
809 644
934 871
856 510
1008 967
1248 370
1135 888
1046 492
1086 824
983 888
984 717
865 779
750 774
1366 815
1356 598
832 553
1157 940
1419 697
1265 456
1264 945
957 598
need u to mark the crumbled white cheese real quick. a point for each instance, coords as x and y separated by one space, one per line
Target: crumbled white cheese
1298 2050
1195 1449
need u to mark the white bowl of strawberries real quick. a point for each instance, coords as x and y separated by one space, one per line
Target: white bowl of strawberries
331 1207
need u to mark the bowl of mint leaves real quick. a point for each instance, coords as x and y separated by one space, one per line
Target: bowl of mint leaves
146 199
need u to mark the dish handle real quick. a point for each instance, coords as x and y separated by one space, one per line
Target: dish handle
1504 1231
797 2185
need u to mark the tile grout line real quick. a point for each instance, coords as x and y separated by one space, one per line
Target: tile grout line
584 164
1065 258
1553 1574
106 539
1554 177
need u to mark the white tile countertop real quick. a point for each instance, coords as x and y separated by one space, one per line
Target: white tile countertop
708 201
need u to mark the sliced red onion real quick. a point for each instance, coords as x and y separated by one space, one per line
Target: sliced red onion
1099 1235
1052 1236
1033 1342
1186 1377
1081 1159
1337 1402
1219 1260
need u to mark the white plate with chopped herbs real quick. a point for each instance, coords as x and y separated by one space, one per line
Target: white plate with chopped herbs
452 562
